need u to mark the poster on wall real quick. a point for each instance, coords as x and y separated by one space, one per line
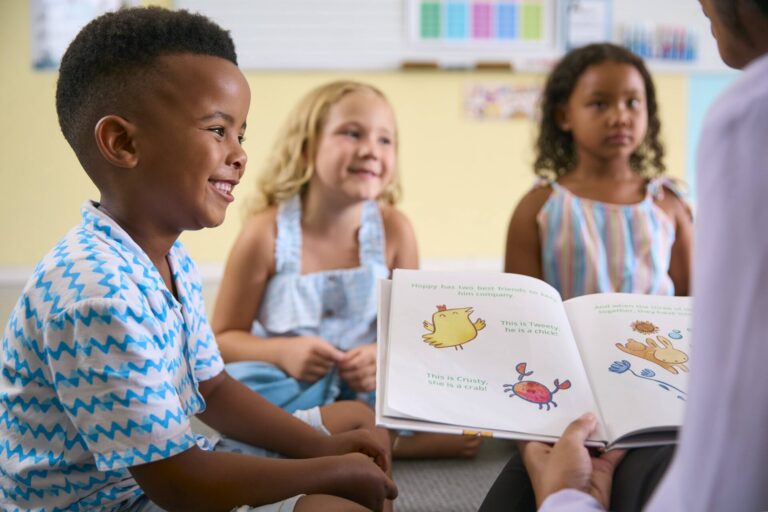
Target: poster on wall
585 22
482 23
54 23
496 102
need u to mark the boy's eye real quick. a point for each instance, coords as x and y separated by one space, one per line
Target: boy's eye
598 104
634 103
385 140
218 130
355 134
241 139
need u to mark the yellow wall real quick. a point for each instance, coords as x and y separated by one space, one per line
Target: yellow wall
461 178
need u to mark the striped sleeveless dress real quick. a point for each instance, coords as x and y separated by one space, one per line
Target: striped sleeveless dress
589 246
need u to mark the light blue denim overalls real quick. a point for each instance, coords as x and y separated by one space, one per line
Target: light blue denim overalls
339 306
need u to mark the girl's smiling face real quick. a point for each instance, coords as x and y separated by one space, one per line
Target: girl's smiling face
356 149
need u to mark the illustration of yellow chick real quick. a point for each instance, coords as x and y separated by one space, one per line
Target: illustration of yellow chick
452 327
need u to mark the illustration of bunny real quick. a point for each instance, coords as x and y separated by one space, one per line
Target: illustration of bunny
668 357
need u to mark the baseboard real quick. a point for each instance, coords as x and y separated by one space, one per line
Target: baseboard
12 276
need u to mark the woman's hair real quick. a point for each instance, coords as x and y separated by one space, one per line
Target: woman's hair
728 11
555 150
291 163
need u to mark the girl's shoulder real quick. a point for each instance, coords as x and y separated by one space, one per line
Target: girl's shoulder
401 247
395 222
260 228
670 194
537 196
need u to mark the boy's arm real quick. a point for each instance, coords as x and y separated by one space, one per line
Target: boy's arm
202 480
205 480
240 413
523 250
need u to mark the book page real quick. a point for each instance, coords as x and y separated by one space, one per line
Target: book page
486 351
635 349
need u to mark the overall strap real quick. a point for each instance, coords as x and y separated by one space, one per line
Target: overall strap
371 237
288 243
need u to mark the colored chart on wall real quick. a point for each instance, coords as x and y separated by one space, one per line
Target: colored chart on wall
477 21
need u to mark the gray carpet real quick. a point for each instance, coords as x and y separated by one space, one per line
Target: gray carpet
449 485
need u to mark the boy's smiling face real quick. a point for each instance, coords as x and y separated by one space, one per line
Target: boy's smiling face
188 133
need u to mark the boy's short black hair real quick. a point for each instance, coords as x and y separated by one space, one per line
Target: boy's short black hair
108 62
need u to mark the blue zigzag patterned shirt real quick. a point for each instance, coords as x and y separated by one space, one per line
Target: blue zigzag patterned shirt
99 371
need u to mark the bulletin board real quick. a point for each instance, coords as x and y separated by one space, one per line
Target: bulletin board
527 35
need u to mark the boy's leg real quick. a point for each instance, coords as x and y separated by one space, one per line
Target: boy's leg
424 445
324 502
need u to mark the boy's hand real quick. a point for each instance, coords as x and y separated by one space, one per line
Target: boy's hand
568 464
358 368
360 441
358 479
309 358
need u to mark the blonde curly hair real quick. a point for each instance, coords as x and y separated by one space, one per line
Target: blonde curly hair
291 163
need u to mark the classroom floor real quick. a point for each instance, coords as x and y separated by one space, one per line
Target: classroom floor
449 485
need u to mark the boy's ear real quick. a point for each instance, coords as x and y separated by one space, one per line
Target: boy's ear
114 138
561 118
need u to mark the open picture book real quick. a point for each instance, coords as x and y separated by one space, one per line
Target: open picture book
503 355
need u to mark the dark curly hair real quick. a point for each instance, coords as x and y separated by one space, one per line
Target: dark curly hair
108 63
555 152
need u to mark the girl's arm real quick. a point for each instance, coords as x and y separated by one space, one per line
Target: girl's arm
523 252
402 250
682 249
250 266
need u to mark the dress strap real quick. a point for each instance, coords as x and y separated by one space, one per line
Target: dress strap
658 186
371 237
288 243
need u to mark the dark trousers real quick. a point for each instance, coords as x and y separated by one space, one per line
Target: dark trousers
633 483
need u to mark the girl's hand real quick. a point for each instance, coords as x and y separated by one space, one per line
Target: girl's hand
358 368
569 465
356 478
308 358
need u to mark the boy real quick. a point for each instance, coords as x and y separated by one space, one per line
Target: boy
108 353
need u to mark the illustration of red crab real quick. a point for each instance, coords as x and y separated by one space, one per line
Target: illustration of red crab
532 391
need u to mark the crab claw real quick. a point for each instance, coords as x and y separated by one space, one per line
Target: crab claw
564 385
520 368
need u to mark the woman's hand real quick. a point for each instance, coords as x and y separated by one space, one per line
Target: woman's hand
569 465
